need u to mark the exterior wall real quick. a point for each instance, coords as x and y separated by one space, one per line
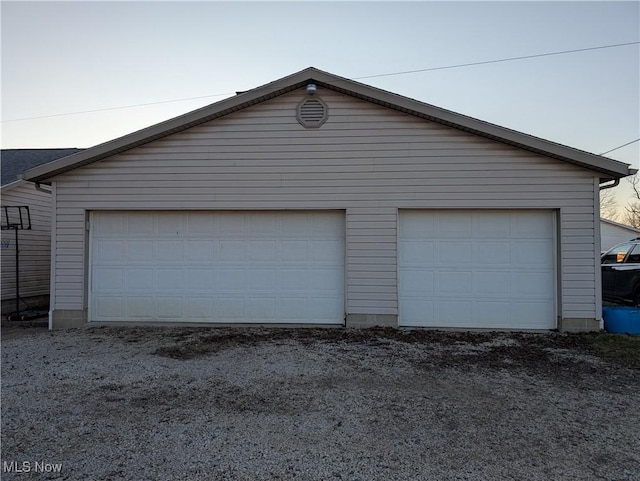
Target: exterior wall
35 248
366 159
613 234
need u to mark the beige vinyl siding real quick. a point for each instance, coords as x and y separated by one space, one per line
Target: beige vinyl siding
366 159
35 244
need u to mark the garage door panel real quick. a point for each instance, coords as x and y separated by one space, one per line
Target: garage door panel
138 224
109 250
217 266
454 283
491 225
324 223
109 307
138 279
109 279
325 309
486 267
491 283
325 279
417 282
261 279
260 224
200 279
457 312
169 280
229 279
231 251
418 312
261 308
167 223
532 314
200 250
324 250
454 253
530 284
496 313
293 280
139 250
492 253
231 309
112 225
169 308
139 307
530 225
417 225
263 250
169 250
292 309
529 253
199 308
417 251
200 223
294 251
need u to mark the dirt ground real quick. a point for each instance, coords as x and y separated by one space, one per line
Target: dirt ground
315 404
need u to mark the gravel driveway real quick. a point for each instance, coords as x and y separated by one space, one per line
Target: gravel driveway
335 404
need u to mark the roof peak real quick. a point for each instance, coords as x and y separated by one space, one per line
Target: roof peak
608 168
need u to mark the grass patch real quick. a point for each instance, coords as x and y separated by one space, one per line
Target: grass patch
617 347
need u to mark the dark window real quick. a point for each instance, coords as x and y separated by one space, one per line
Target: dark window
617 254
634 257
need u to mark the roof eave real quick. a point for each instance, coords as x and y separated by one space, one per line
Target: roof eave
168 127
12 185
610 169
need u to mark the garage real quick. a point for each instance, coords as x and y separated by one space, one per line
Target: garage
317 199
227 267
477 269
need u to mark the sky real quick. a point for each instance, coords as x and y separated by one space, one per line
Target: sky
68 57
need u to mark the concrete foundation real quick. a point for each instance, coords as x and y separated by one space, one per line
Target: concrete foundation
578 325
371 320
69 318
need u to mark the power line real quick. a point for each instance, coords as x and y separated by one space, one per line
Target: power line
620 146
116 108
563 52
509 59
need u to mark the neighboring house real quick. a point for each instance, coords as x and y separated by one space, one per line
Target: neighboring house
35 244
613 233
315 199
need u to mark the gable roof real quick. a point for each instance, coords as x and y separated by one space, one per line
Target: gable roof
16 161
609 169
622 226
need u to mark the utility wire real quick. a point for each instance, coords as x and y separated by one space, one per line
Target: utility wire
620 146
117 108
499 60
510 59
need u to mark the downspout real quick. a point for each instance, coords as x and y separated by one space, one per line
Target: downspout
47 191
610 185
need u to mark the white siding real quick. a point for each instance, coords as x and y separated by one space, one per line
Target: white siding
35 244
366 159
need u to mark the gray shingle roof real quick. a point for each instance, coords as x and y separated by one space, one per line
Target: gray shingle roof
16 161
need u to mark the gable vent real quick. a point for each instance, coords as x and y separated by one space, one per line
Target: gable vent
312 113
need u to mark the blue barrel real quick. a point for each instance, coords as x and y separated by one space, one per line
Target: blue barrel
621 319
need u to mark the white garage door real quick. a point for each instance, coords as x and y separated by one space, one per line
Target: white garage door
477 269
267 267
